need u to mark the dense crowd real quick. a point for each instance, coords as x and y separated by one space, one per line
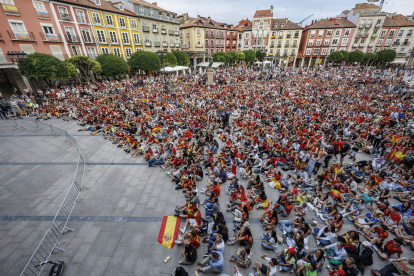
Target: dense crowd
335 142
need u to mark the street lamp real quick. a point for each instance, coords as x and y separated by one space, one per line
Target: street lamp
21 58
265 50
162 55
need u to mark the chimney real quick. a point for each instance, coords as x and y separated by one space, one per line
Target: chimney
209 17
198 16
155 3
271 8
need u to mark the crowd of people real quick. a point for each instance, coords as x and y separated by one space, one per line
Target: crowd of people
334 144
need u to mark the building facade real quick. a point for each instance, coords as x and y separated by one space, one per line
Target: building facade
323 37
284 41
262 21
244 29
403 39
369 21
385 35
159 28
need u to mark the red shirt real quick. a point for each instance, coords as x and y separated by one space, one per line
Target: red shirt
383 235
288 209
395 217
195 242
393 249
216 190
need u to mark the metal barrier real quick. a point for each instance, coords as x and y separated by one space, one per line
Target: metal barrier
50 240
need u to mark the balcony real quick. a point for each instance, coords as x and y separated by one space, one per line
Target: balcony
42 14
155 31
92 56
145 29
185 46
273 36
294 45
288 36
176 33
406 43
188 35
370 45
272 45
374 35
361 44
10 9
147 44
177 45
199 46
228 37
358 35
378 25
246 46
65 17
280 36
409 35
26 36
323 54
156 44
50 37
396 44
163 31
401 54
361 26
310 45
354 45
287 45
368 26
206 36
72 39
164 44
296 36
279 46
221 46
365 35
170 32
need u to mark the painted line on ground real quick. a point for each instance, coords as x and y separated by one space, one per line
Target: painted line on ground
69 163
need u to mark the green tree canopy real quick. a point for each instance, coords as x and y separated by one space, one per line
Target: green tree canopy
113 65
182 58
371 56
72 70
250 55
233 56
45 67
339 56
221 57
386 55
356 56
260 55
85 65
146 61
241 55
170 60
345 55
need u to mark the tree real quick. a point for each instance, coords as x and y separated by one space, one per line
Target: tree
241 55
72 70
339 56
370 56
45 67
221 57
260 55
113 65
146 61
170 60
356 56
386 55
86 66
250 55
182 58
233 56
345 55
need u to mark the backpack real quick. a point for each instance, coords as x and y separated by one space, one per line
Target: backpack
285 168
180 271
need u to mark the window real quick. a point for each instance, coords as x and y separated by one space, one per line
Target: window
101 36
289 33
125 38
122 22
308 52
198 32
81 16
206 43
39 6
391 33
347 32
134 24
310 44
109 20
285 52
379 21
128 52
280 34
313 33
292 52
70 34
320 33
198 42
376 50
154 28
335 42
383 33
136 39
278 52
379 43
388 42
104 50
76 51
212 34
212 43
401 51
401 33
316 52
410 32
96 18
64 14
117 52
98 2
10 2
344 41
91 52
331 50
324 51
112 36
247 35
326 43
48 30
318 43
86 36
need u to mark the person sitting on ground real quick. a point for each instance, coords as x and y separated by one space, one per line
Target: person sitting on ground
243 257
336 253
386 249
189 255
270 269
215 263
399 266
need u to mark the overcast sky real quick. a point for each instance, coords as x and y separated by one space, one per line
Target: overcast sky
232 11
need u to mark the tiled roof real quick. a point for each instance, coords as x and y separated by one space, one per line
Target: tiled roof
336 22
244 26
402 20
263 13
366 6
345 12
388 22
105 6
288 25
198 22
149 5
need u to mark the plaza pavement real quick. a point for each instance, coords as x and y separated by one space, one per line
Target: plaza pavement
117 226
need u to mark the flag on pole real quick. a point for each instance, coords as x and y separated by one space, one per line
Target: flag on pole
170 227
399 156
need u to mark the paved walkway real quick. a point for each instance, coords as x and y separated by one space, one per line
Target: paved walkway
116 226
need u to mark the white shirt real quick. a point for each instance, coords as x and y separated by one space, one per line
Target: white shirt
273 269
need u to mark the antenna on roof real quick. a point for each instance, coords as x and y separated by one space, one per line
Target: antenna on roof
320 14
286 12
392 7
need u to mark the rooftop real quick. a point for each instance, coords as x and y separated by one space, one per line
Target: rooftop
105 6
284 24
402 20
263 13
149 5
331 23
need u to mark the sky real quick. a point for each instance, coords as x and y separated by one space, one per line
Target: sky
232 11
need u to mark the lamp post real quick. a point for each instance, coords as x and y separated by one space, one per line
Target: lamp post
162 55
264 51
21 58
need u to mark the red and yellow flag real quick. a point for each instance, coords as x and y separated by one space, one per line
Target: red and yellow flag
276 183
399 156
170 227
155 129
391 155
395 138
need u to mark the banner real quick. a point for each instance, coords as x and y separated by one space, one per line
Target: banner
170 227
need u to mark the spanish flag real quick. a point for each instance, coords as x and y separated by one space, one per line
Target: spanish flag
399 156
170 227
335 194
391 155
274 183
395 138
336 168
377 179
155 129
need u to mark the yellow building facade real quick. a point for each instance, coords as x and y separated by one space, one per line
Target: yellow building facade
116 33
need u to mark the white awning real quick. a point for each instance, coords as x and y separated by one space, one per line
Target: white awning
267 62
398 62
215 64
167 69
258 62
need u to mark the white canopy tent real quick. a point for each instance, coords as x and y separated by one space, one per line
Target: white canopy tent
174 69
258 62
398 62
215 64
